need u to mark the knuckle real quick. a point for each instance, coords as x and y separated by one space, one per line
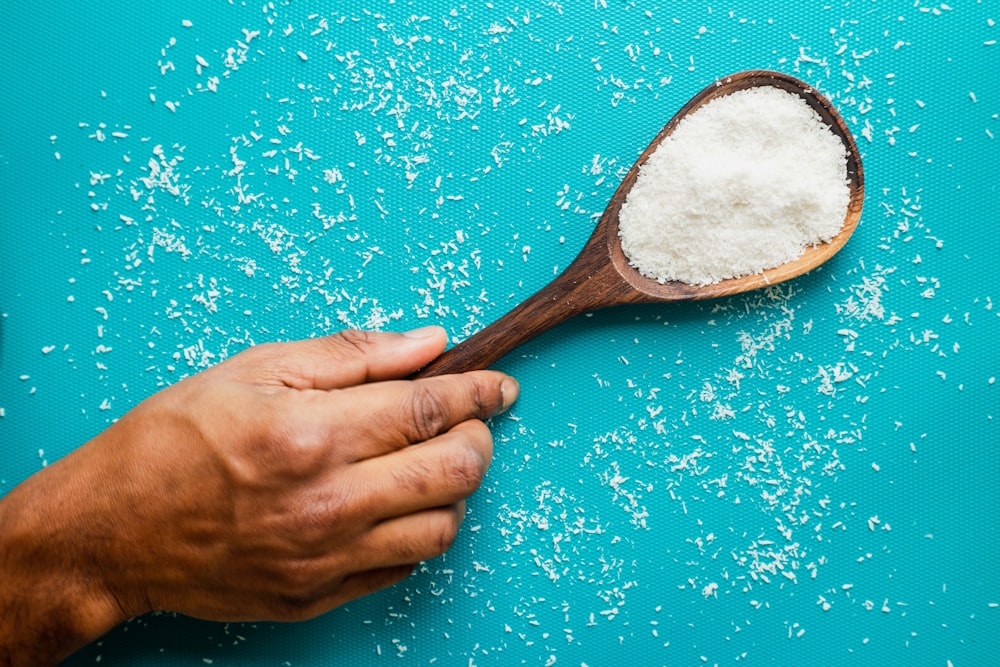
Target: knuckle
295 452
486 397
312 522
298 590
482 407
430 412
297 442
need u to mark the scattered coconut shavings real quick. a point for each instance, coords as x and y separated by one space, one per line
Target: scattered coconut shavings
723 461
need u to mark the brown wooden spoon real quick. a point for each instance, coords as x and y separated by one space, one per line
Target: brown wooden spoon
601 275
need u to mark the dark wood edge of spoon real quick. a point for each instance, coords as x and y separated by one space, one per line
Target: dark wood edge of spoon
592 281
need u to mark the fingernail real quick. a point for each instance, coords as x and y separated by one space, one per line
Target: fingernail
422 332
509 390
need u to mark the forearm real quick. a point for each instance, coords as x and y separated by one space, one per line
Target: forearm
52 599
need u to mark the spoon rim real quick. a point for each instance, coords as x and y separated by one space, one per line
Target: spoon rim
651 289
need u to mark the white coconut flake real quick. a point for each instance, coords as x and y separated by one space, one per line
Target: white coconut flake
744 184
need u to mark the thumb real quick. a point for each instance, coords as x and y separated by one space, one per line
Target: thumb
353 357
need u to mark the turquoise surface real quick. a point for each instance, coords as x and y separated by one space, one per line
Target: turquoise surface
807 475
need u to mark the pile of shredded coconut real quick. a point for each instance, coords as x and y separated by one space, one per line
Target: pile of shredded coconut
742 185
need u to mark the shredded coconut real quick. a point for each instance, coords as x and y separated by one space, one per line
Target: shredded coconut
742 185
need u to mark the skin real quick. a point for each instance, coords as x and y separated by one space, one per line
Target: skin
283 482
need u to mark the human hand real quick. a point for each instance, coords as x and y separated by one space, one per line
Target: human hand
279 484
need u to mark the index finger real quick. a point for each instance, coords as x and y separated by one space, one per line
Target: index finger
395 414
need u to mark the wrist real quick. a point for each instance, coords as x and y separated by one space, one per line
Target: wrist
54 592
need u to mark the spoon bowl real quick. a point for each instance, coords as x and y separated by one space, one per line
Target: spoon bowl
601 275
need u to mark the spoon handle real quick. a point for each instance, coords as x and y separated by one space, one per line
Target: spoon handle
579 289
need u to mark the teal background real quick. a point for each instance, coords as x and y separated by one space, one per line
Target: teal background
806 475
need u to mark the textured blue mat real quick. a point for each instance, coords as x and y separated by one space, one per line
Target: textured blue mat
807 475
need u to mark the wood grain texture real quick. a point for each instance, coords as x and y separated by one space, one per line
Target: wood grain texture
601 275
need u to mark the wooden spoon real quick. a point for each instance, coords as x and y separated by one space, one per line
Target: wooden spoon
601 275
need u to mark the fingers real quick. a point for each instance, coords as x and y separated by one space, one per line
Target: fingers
412 538
370 420
391 415
381 557
439 472
339 591
364 583
344 359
